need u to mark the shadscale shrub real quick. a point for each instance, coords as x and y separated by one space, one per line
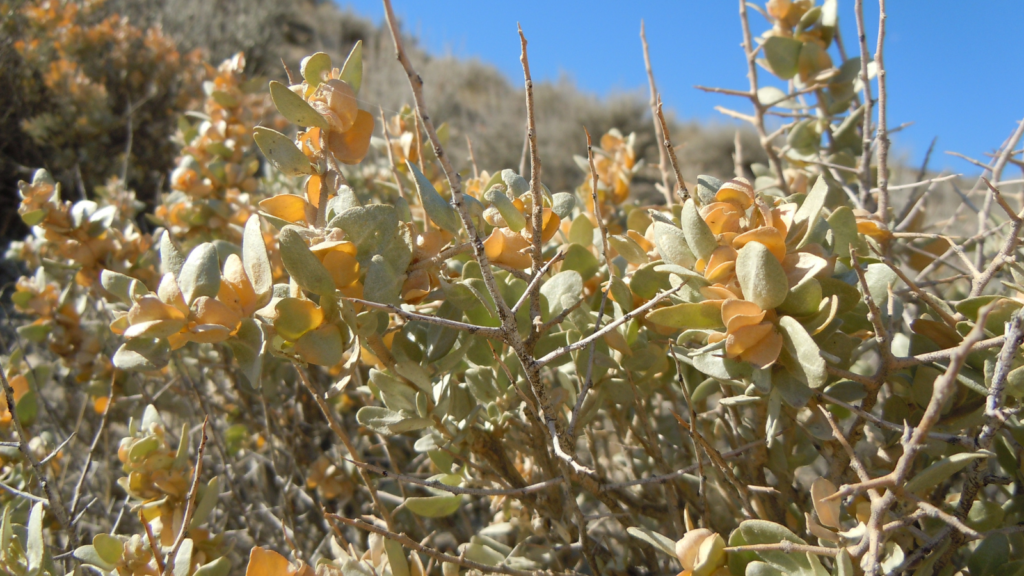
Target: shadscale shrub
380 365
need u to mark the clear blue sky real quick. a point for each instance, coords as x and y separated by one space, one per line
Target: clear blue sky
954 67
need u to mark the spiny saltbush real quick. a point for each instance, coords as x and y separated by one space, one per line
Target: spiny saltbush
404 369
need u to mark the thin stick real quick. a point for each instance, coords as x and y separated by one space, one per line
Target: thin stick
92 449
332 422
25 495
190 503
442 256
866 135
536 192
737 156
472 157
758 119
535 281
391 158
486 332
538 487
153 547
883 134
659 136
588 380
53 497
942 437
746 498
608 328
997 172
702 477
680 183
995 417
922 182
454 180
435 554
680 473
787 547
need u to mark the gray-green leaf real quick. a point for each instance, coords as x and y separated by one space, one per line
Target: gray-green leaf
698 235
812 369
562 204
200 275
434 506
313 68
440 211
660 542
783 55
304 267
294 107
35 546
762 279
282 152
142 354
672 245
256 261
352 70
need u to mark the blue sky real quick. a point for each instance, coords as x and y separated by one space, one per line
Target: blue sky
953 66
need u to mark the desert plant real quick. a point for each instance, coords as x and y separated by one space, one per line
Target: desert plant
393 367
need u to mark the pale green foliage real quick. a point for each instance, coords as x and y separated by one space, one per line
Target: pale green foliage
363 350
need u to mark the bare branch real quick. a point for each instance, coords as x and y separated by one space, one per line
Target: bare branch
485 331
538 487
659 136
667 143
608 328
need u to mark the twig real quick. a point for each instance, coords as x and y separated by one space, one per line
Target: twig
608 328
92 449
883 134
153 546
680 473
997 174
737 156
935 180
433 553
472 157
485 331
190 503
454 180
914 440
228 471
866 132
995 417
535 281
746 498
593 193
759 109
982 279
667 143
787 547
702 477
335 426
900 363
536 191
588 380
659 136
538 487
442 256
25 495
391 158
942 437
52 494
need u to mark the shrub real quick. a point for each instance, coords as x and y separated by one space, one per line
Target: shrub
387 366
